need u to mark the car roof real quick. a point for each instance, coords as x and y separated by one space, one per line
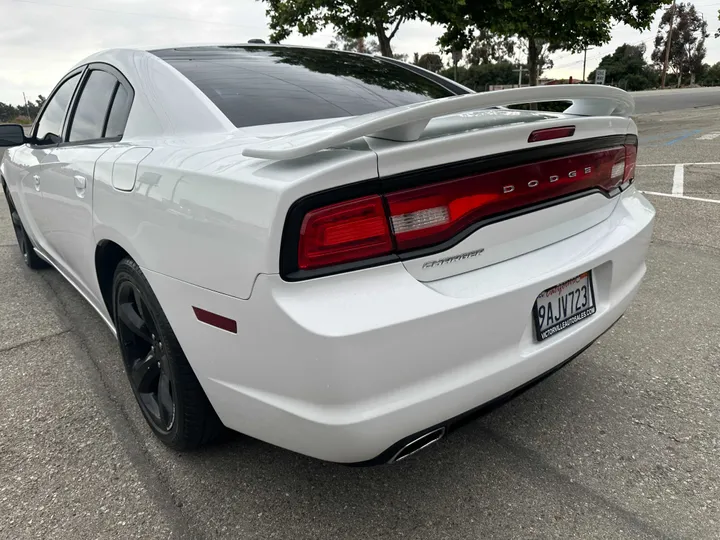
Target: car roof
235 48
150 72
239 47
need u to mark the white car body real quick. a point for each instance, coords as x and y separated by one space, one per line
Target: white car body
348 367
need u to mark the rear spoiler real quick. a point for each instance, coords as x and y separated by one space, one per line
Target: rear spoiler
408 122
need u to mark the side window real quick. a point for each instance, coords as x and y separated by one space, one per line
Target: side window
49 129
118 113
88 122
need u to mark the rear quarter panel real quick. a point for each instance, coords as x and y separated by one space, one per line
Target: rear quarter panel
203 214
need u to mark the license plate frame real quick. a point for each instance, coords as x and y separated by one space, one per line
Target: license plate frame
563 324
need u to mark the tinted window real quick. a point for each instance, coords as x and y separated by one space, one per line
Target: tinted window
267 85
51 121
92 108
118 114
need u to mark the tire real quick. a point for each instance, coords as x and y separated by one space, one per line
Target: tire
27 249
165 386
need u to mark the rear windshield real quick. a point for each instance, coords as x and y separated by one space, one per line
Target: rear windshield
270 85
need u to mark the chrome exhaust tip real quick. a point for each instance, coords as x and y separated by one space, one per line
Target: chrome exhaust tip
422 442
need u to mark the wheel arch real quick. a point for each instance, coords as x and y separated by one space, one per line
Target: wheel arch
3 184
108 255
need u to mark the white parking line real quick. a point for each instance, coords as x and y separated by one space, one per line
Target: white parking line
709 136
678 180
680 197
675 164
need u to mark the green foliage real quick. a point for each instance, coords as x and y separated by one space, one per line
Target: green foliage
9 113
430 61
711 75
361 45
687 44
352 18
382 74
478 77
558 24
628 69
487 47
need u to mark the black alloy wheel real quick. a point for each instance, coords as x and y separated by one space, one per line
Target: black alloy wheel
21 236
31 259
165 386
145 358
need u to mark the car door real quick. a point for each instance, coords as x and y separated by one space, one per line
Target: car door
95 124
35 157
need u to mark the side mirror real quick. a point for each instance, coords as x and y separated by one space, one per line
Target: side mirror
12 135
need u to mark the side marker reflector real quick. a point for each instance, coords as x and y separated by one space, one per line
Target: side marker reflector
213 319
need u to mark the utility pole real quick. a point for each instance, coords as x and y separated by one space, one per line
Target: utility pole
27 109
584 63
520 72
667 45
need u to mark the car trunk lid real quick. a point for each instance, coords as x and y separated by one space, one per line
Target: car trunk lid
516 177
539 193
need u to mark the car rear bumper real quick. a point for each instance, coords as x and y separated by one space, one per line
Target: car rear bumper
343 367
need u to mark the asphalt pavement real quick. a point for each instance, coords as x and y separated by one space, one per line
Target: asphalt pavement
622 443
675 99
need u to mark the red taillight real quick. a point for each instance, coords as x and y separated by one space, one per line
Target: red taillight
344 232
630 161
432 214
401 221
551 133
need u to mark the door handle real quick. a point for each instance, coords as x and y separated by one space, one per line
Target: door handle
36 179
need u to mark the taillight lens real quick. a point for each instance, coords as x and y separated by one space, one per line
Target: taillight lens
432 214
380 225
344 232
630 161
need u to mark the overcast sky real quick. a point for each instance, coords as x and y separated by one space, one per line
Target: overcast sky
41 39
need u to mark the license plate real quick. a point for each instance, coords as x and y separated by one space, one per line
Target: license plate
563 305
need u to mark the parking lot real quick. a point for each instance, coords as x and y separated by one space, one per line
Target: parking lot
622 443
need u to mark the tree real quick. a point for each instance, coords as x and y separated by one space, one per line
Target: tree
478 77
687 44
352 18
628 68
9 113
430 61
558 24
361 45
711 75
35 107
544 48
346 65
488 47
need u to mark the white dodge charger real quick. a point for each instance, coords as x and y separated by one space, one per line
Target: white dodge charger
343 255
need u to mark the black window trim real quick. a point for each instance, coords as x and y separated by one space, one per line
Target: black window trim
36 124
122 80
109 111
